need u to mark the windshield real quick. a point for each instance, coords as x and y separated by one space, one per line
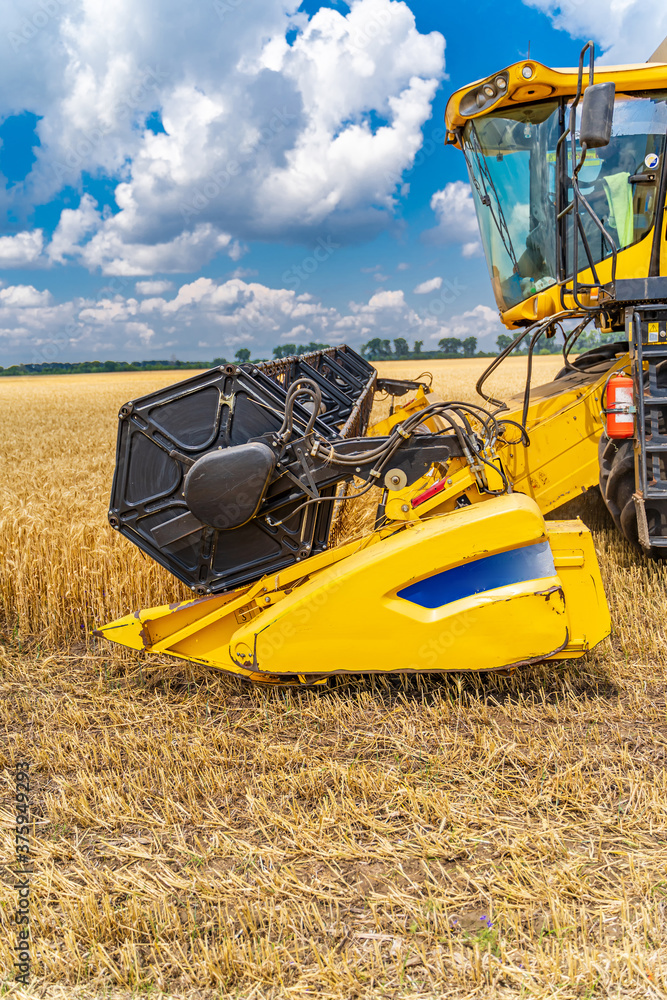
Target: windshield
511 158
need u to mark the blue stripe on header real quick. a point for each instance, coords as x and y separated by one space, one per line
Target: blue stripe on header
530 562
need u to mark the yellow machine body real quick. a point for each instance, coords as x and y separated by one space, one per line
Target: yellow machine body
455 578
441 594
346 611
565 422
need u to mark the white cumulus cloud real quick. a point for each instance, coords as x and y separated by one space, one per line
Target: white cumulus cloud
262 139
481 322
22 250
432 285
457 222
24 297
153 287
74 224
386 300
627 31
217 315
113 254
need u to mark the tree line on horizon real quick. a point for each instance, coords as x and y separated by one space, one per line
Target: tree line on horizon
376 349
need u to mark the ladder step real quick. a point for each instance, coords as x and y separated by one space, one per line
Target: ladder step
651 442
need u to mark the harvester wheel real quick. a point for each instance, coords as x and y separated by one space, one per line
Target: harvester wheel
603 356
617 481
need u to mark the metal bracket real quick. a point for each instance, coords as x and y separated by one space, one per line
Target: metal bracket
642 523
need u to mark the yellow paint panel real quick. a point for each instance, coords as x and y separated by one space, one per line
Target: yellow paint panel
349 616
577 567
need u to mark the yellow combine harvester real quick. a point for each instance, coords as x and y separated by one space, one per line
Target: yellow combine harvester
230 479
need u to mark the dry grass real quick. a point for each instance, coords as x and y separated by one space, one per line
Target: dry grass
63 569
196 836
456 379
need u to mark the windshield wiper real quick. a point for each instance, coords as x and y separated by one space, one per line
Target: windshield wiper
486 182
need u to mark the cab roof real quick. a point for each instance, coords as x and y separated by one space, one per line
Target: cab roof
527 81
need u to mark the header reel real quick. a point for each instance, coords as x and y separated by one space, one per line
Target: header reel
234 473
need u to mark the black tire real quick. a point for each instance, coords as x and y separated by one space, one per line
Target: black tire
617 483
598 359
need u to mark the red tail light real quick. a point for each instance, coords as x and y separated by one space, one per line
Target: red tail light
430 492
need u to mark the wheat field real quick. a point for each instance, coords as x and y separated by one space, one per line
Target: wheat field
193 836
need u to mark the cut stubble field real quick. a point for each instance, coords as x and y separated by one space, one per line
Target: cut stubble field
437 836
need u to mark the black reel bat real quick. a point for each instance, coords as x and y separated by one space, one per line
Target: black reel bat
232 474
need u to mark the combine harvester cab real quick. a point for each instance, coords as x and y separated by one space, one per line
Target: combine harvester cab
583 152
235 481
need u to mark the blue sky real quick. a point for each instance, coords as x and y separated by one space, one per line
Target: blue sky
182 180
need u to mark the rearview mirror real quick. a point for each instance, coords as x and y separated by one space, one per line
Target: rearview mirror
597 112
